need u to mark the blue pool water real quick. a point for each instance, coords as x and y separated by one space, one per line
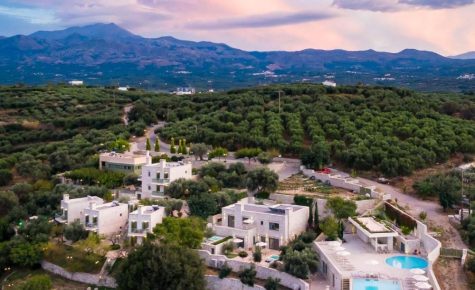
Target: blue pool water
407 262
373 284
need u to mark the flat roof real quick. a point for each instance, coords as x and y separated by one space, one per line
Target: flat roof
109 205
272 209
372 225
83 199
148 209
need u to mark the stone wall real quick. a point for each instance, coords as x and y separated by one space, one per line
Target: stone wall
85 278
287 280
214 283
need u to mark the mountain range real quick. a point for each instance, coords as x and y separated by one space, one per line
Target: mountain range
106 54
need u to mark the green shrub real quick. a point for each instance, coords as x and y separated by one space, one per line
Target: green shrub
115 247
423 215
37 282
257 255
224 271
271 283
248 276
406 230
243 254
262 195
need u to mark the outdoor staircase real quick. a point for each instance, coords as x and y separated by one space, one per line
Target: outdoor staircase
345 284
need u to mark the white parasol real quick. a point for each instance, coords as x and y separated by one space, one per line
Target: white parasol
423 285
420 278
418 271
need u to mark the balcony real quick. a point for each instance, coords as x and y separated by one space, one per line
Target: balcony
161 180
158 193
138 232
91 227
61 218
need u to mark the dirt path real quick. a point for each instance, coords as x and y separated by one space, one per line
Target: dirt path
127 109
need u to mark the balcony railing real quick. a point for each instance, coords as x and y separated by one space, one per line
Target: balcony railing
161 180
91 225
60 217
138 231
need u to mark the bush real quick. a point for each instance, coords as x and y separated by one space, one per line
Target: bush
224 271
406 230
115 247
5 177
262 195
471 265
248 276
75 232
243 254
228 248
37 282
423 215
271 283
257 255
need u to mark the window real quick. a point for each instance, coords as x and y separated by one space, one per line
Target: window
231 221
166 175
158 175
274 226
121 214
149 174
262 223
87 219
94 220
133 225
145 226
149 188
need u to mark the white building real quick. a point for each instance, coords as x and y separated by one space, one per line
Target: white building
250 224
73 209
143 220
328 83
123 89
122 162
184 91
76 83
106 219
157 176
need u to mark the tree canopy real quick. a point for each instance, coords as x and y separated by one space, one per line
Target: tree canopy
161 267
187 232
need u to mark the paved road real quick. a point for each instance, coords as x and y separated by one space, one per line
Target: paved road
139 143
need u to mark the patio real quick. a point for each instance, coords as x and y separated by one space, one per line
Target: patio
358 259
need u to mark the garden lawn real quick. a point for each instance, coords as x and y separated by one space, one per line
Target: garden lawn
79 262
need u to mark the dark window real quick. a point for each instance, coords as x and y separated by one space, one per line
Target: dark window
262 223
231 221
274 226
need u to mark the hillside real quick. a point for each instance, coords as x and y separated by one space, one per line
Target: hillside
104 54
392 131
49 129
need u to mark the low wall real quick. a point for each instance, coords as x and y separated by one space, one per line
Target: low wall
85 278
214 283
432 246
347 183
282 198
287 280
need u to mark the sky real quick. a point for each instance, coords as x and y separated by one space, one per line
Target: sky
443 26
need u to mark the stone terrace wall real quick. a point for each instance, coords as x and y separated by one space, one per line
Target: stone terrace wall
214 283
287 280
85 278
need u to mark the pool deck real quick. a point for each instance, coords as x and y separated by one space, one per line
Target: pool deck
363 261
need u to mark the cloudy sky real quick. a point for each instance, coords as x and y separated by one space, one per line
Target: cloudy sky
444 26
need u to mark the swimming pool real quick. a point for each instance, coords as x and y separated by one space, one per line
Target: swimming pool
272 258
407 262
373 284
215 239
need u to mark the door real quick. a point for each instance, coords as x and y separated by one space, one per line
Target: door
274 244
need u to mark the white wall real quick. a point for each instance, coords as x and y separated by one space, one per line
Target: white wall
110 220
287 280
76 207
174 171
214 283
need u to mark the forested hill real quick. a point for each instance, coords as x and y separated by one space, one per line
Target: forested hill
50 129
390 130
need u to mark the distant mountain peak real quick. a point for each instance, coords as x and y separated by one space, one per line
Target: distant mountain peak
467 55
107 31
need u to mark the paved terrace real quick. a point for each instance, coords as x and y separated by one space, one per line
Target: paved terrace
362 260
